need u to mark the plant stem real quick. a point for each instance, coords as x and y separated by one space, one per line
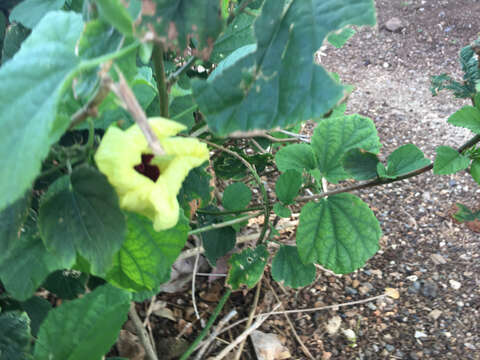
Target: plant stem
159 69
210 322
228 212
266 206
174 76
142 334
222 224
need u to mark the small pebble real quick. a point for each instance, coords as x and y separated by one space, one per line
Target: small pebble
454 284
419 334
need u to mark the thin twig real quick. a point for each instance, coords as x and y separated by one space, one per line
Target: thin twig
250 317
260 320
215 333
123 91
141 333
292 327
295 311
159 68
174 76
194 278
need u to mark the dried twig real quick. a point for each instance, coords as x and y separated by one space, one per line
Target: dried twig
142 333
260 320
123 91
215 333
194 278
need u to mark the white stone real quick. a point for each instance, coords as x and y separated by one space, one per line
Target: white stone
455 284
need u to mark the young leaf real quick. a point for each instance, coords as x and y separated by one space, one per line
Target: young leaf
405 159
449 161
296 157
80 213
361 165
247 267
382 172
260 91
34 83
14 335
236 196
30 12
146 256
288 185
467 117
475 170
340 233
289 269
27 263
185 20
282 210
332 138
218 242
338 39
84 328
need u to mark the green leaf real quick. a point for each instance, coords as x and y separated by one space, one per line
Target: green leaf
382 172
33 81
27 263
84 328
282 210
182 20
236 35
464 214
260 91
467 117
15 35
115 13
475 170
288 185
339 38
14 336
296 157
289 269
449 161
80 213
340 233
405 159
195 187
181 110
66 284
247 267
37 309
146 256
218 242
236 196
30 12
361 165
333 137
11 221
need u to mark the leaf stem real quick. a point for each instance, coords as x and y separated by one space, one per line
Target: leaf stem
228 212
210 322
222 224
159 69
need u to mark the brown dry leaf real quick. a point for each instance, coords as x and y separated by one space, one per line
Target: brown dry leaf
129 346
160 309
392 293
474 225
268 346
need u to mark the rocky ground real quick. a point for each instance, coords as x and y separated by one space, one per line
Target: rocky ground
431 262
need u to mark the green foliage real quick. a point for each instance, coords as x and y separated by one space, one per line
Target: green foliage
333 137
465 214
37 309
146 256
298 157
338 39
467 117
116 14
217 242
260 90
247 267
405 159
449 161
360 165
67 285
282 210
289 269
340 233
236 196
84 328
30 12
288 185
14 336
475 170
80 213
14 36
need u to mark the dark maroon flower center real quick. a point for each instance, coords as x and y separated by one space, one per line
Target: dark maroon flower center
144 168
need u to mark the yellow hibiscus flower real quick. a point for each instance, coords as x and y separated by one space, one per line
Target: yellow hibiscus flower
145 184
